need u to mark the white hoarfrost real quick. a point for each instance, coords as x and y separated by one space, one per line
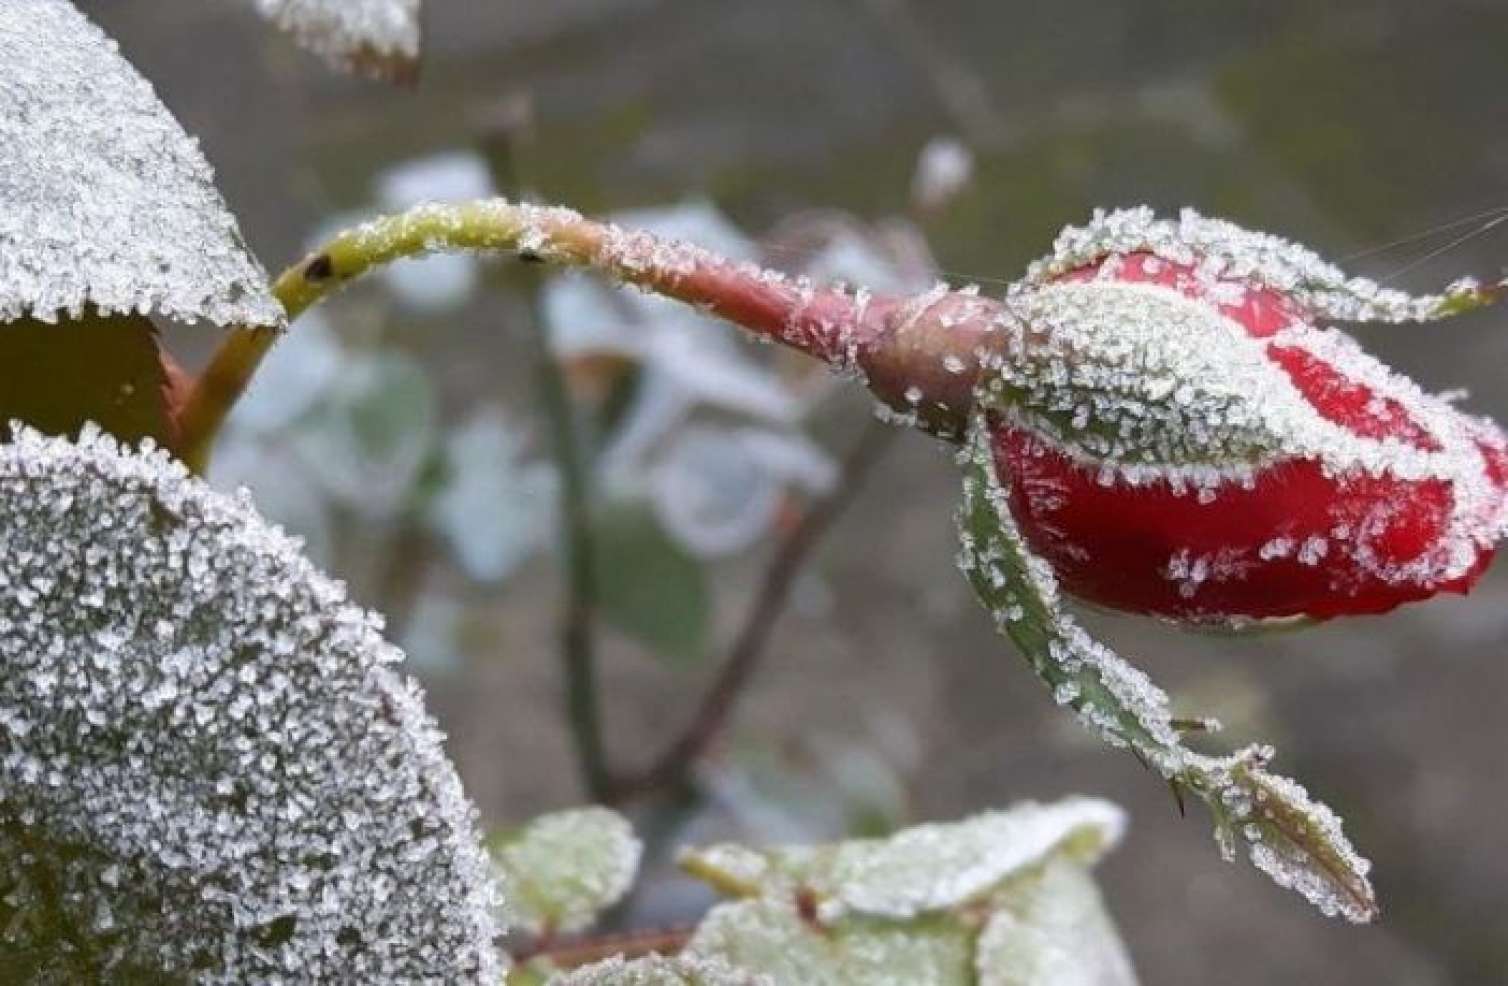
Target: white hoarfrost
1223 250
377 35
1148 385
1295 840
562 870
211 770
1005 897
104 200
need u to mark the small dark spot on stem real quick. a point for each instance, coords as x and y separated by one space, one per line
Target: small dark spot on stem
319 269
530 257
806 907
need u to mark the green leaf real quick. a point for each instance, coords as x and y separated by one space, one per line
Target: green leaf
1296 841
658 970
1053 931
909 909
562 870
648 587
109 370
925 869
770 936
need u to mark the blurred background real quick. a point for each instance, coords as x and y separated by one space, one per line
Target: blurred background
403 429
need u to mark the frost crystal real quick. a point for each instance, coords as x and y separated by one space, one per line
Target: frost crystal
210 769
376 36
104 200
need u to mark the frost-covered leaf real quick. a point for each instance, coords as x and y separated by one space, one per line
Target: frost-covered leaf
104 200
376 37
562 870
924 869
659 970
106 370
210 768
648 586
908 909
1053 931
1297 842
1222 249
771 937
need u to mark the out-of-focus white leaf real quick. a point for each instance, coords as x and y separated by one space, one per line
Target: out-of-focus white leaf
495 509
212 772
706 361
583 316
104 200
711 495
857 260
718 490
562 870
448 176
944 167
440 282
292 379
373 433
431 632
380 37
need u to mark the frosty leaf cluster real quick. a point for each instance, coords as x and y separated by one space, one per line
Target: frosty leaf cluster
104 200
211 769
1004 898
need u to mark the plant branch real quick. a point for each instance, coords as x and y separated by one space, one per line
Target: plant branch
750 645
848 330
578 623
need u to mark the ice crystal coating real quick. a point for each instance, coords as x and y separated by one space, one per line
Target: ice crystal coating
1295 840
1224 250
1272 468
376 36
1055 932
104 200
210 769
909 909
564 869
659 970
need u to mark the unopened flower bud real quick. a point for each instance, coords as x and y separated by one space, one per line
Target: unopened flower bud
1182 439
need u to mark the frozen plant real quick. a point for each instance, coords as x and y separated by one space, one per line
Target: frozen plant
212 772
1168 377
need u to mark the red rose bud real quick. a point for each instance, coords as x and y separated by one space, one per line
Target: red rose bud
1181 439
